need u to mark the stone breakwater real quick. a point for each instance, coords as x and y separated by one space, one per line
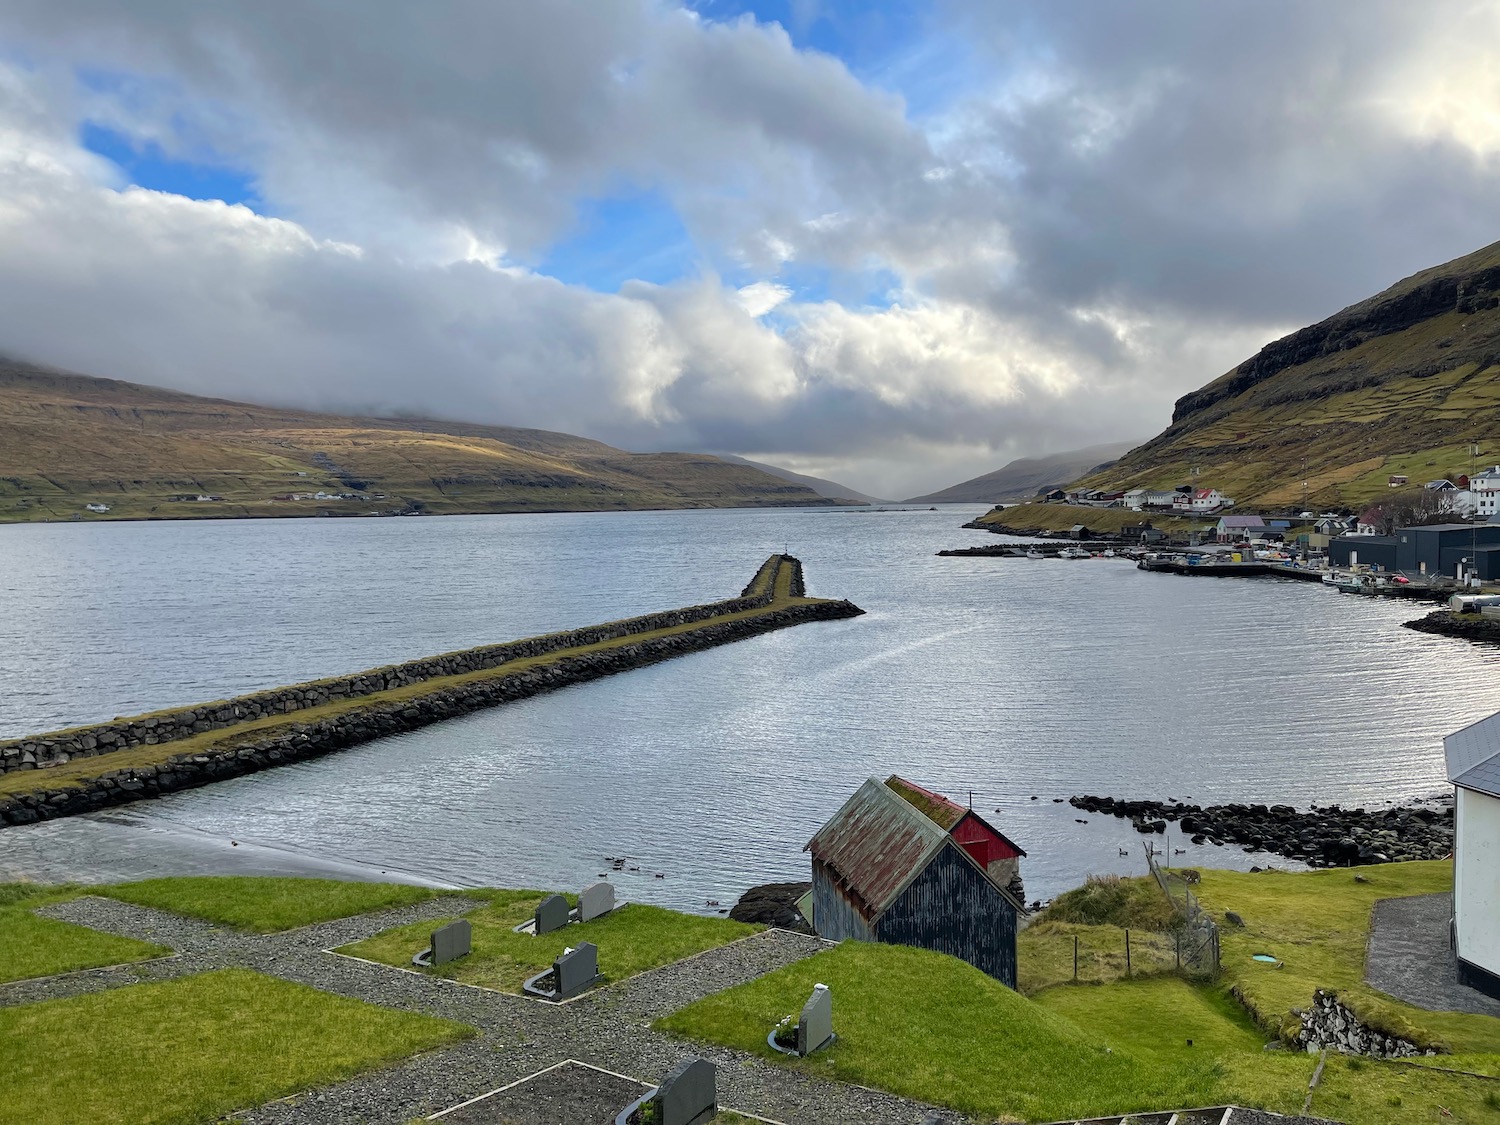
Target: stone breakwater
168 726
293 741
1320 837
1466 626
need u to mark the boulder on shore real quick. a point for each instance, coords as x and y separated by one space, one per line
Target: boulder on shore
773 904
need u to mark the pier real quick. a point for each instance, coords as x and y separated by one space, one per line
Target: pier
86 768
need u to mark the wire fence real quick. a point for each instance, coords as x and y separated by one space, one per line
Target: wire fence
1198 935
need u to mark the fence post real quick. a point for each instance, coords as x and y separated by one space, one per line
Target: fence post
1177 937
1127 952
1075 958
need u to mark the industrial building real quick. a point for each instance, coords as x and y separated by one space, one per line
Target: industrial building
1438 549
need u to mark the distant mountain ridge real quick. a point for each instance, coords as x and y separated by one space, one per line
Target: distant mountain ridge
829 488
75 446
1404 383
1027 476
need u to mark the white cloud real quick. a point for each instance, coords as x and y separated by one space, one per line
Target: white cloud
1139 200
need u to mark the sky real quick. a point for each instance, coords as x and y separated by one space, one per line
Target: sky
897 245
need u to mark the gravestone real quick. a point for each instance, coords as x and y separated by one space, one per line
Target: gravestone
815 1024
686 1096
451 942
551 914
575 970
596 900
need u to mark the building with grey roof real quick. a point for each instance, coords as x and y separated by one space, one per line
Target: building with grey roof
1473 756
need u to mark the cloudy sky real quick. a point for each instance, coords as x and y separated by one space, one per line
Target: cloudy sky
896 244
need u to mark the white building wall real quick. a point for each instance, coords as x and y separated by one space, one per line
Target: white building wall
1476 879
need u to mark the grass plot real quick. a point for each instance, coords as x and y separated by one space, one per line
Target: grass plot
631 939
40 947
193 1049
265 905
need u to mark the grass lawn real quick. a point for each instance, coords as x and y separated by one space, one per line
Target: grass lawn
39 947
1153 1020
192 1049
1044 954
264 905
1318 924
631 940
929 1026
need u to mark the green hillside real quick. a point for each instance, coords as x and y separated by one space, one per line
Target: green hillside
1401 383
68 441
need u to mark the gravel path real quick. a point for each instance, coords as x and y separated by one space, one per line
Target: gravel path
518 1037
1410 956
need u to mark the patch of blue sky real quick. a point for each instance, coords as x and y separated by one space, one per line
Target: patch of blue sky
811 283
898 45
147 165
633 236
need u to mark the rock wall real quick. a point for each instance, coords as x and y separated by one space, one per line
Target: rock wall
300 741
1468 626
1329 1024
168 726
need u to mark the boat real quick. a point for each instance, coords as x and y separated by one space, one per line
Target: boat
1035 554
1074 553
1109 552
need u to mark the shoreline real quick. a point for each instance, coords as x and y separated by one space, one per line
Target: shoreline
1328 836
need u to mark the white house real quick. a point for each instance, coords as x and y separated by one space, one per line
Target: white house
97 507
1474 768
1486 489
1201 500
1138 498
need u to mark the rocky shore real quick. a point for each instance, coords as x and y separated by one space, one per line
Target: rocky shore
379 717
1467 626
1320 837
773 904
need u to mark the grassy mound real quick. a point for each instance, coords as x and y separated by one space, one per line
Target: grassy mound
929 1026
631 939
265 905
41 947
193 1049
1114 900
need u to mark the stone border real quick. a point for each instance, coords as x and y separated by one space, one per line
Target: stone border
587 1066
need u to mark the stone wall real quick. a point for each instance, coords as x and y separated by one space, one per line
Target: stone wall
1329 1024
299 741
167 726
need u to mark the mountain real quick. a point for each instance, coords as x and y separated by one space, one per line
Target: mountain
1402 383
69 440
841 493
1026 477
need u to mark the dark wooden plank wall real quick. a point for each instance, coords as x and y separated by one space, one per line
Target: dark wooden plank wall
834 915
953 908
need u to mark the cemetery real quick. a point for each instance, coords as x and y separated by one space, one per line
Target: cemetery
297 1001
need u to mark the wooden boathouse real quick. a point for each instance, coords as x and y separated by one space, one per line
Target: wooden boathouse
885 870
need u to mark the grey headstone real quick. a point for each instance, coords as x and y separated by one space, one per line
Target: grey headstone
687 1096
551 914
576 970
451 942
596 900
815 1024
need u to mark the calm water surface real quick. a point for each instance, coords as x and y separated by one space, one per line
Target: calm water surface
1012 679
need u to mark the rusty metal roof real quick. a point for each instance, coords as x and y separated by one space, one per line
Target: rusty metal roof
876 843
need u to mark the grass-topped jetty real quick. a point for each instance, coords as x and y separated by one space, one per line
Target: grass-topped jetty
84 768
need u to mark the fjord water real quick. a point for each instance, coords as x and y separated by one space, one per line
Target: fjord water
1009 678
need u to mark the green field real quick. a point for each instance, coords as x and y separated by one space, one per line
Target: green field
631 939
